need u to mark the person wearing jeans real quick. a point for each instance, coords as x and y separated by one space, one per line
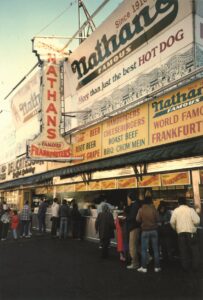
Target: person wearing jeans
54 217
64 214
150 235
148 217
25 215
133 228
184 221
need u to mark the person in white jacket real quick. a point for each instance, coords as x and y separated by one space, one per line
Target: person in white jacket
184 221
54 217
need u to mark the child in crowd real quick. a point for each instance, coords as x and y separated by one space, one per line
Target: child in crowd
5 220
14 224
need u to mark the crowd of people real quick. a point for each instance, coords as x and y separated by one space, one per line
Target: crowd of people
142 231
66 219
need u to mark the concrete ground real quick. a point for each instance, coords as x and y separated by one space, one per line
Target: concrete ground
41 268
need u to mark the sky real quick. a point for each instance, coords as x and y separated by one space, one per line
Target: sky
21 20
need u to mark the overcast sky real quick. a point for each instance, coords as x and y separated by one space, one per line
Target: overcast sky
21 20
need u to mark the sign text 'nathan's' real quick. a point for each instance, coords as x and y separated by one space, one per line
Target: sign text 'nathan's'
50 143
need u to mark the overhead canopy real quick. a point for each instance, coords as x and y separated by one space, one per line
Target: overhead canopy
188 148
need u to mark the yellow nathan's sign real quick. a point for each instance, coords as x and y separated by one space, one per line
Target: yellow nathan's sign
177 115
173 117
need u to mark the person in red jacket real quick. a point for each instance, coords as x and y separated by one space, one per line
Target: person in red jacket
14 224
119 236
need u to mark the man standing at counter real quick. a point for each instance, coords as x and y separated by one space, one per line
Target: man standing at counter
133 229
185 220
42 215
104 225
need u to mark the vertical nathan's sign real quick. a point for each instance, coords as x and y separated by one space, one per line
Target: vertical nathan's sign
50 144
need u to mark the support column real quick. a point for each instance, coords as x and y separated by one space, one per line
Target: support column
196 192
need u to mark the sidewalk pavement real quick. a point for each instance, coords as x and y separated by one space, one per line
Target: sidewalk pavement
41 268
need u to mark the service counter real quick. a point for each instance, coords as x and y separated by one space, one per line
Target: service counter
90 232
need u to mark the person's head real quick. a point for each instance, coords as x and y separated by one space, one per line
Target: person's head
55 200
162 207
64 202
73 201
105 208
182 201
75 206
130 198
148 200
15 212
26 202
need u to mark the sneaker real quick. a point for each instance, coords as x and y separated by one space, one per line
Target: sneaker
122 258
142 270
157 270
130 267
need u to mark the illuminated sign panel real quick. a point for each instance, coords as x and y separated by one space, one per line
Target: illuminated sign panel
180 178
87 144
142 47
127 183
149 180
125 133
178 115
173 117
50 143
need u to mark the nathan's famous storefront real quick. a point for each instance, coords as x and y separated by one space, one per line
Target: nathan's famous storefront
157 147
145 150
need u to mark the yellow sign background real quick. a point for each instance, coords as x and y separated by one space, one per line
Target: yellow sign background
149 180
177 115
125 133
179 178
108 184
94 186
127 183
87 144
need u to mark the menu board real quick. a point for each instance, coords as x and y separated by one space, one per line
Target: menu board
125 133
87 144
173 117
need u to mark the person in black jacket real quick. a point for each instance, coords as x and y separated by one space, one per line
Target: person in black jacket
105 226
133 229
75 220
64 214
